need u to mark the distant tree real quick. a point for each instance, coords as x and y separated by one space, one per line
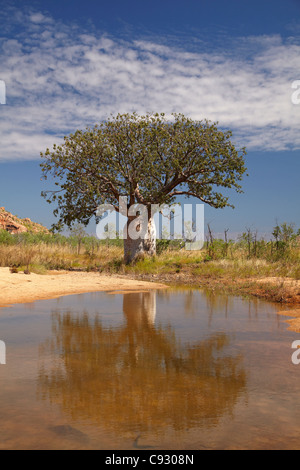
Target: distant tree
284 233
146 159
79 233
226 243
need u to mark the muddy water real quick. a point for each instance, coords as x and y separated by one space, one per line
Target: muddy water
159 370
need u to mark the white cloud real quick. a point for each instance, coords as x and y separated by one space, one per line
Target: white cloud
59 78
39 18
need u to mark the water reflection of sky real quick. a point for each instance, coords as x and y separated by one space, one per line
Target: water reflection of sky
162 365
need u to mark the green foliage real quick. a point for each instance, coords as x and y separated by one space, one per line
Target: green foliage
163 245
6 238
244 258
285 233
147 159
285 239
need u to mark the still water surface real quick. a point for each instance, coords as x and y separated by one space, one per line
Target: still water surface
174 369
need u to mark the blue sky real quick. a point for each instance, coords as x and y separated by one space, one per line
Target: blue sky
68 64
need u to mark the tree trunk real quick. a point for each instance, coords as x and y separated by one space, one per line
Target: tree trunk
140 247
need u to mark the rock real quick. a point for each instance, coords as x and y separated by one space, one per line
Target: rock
14 225
14 270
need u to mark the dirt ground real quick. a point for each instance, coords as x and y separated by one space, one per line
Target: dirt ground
289 290
22 288
283 291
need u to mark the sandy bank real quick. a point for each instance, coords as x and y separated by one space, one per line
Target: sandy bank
22 288
283 291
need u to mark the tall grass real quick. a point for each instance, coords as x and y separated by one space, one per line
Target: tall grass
197 265
41 252
218 259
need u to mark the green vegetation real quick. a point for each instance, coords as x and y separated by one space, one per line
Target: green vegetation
248 257
147 160
40 252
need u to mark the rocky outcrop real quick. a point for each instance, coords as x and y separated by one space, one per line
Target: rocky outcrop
14 225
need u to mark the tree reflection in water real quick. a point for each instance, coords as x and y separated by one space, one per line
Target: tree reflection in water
138 375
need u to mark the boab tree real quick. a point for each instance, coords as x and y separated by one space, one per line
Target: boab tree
146 159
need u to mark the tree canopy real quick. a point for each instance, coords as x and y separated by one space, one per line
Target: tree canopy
148 159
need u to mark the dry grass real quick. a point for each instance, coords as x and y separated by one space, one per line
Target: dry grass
109 257
195 263
235 275
46 257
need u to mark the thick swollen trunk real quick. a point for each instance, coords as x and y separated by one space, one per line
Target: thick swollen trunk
140 246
